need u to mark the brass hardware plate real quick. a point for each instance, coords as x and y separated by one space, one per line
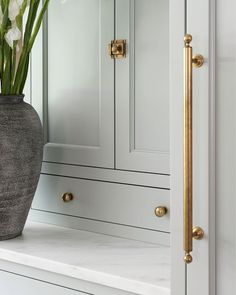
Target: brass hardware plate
67 197
117 49
190 233
161 211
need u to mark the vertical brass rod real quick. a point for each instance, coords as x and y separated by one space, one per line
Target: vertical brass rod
188 157
190 232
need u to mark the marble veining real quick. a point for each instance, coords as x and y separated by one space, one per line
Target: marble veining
133 266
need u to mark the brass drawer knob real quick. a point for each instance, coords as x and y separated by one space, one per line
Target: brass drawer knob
67 197
161 211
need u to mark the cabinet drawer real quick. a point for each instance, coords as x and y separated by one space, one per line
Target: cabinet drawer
11 284
103 201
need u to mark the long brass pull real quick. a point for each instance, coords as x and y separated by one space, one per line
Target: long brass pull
189 231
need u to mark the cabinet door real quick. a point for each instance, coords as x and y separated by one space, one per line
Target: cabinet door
11 284
142 86
75 98
197 277
203 266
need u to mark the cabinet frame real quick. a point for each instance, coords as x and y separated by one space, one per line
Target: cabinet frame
128 156
101 155
202 269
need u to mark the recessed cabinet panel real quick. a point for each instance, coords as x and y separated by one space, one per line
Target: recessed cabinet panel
78 96
74 72
142 79
150 78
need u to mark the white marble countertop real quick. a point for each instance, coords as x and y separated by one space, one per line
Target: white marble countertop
133 266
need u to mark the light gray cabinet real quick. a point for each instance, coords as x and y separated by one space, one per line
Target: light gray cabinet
98 111
116 122
109 115
28 281
110 202
142 86
75 98
12 284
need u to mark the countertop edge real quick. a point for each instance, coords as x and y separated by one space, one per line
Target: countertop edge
83 274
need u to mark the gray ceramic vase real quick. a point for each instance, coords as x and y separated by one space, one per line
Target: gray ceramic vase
21 150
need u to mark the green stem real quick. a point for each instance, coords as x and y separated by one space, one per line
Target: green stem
6 78
25 73
30 21
28 31
13 64
21 74
38 24
5 22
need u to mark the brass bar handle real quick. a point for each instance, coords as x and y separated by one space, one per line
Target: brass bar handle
189 231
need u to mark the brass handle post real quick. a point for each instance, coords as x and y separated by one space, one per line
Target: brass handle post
189 62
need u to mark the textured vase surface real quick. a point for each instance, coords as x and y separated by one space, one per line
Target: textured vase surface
21 150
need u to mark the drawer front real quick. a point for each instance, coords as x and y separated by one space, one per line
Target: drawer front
102 201
11 284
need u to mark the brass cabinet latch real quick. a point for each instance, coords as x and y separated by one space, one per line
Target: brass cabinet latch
117 49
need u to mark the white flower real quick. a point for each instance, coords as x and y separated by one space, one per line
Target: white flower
20 2
14 9
13 34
